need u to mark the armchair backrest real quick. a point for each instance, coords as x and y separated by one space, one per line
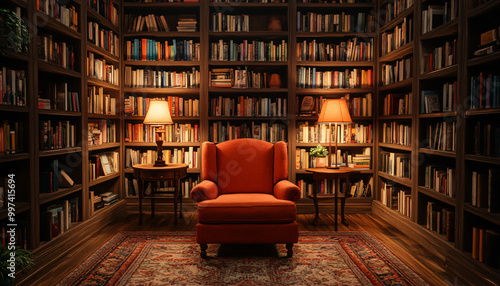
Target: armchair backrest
244 165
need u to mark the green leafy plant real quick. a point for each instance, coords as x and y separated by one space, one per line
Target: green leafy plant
318 151
23 260
13 32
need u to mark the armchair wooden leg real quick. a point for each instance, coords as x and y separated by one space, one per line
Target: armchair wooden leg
289 248
203 248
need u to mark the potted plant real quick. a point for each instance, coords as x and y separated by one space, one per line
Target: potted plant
23 260
13 32
319 153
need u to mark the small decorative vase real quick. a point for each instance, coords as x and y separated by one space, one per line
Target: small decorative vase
274 24
275 81
320 162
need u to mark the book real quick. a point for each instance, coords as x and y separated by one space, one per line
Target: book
65 180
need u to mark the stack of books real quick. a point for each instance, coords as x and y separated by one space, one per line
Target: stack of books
187 23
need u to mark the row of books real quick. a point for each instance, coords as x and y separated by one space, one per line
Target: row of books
489 43
342 22
431 99
240 1
239 78
330 1
161 79
106 9
310 77
248 106
220 22
486 245
98 202
11 137
304 160
101 132
346 133
352 50
484 192
486 140
152 23
103 38
58 218
360 106
57 134
247 50
484 91
53 177
358 189
103 165
441 179
395 164
441 136
397 71
187 23
186 185
179 106
399 36
396 133
66 14
395 8
188 155
99 69
441 57
56 53
100 103
20 235
441 220
13 86
173 133
396 198
270 132
56 96
436 15
168 50
397 104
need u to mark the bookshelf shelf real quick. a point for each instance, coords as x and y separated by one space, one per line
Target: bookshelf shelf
174 118
438 196
397 53
13 55
162 63
396 21
333 34
248 5
49 197
404 84
103 116
448 29
14 157
335 5
46 67
248 63
163 90
162 34
487 59
436 236
47 153
336 63
438 114
380 206
343 145
246 90
482 9
20 3
160 5
259 34
396 147
104 146
242 118
403 181
105 54
483 111
483 159
103 84
483 213
59 112
56 26
21 207
165 144
332 91
91 13
103 179
440 73
449 154
362 171
315 118
395 117
13 108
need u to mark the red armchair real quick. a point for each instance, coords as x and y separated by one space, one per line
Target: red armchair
245 197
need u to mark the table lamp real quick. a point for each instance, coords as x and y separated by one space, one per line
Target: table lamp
333 111
158 114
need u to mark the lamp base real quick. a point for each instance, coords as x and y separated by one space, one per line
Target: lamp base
160 163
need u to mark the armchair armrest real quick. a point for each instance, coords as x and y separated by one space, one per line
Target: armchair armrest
286 190
206 190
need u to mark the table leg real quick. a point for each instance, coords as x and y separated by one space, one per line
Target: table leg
336 201
176 197
180 198
153 187
342 203
141 188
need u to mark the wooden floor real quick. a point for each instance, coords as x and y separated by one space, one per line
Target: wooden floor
417 258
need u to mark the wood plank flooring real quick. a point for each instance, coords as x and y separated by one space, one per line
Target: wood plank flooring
431 269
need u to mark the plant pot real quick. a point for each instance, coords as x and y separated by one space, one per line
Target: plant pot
319 162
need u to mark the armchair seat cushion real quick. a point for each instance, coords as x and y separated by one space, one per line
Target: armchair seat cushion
246 208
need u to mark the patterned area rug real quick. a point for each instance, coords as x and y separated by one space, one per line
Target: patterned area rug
158 258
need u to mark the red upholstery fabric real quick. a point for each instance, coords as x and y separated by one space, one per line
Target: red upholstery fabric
285 190
245 166
246 208
247 233
208 162
280 162
206 190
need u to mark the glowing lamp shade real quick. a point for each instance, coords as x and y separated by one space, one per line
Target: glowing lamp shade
158 113
334 111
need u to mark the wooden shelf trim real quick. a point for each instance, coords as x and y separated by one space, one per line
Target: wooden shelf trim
483 213
398 19
403 181
334 34
483 159
165 144
395 117
482 9
47 67
283 34
438 196
103 84
404 84
162 63
107 55
248 63
438 114
247 90
103 116
45 21
336 63
161 90
62 151
103 179
14 157
104 146
59 112
486 59
448 71
160 5
45 198
21 207
485 111
162 34
333 91
102 21
449 154
444 30
13 108
397 53
395 146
